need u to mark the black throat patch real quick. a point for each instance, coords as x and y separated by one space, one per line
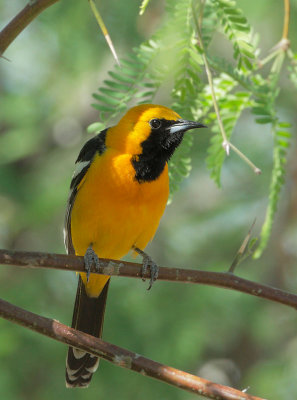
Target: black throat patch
148 169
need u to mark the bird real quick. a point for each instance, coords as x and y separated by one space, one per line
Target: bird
118 193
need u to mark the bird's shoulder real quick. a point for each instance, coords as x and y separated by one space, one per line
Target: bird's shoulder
94 146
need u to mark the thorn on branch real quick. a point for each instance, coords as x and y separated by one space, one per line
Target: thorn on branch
282 45
104 30
226 147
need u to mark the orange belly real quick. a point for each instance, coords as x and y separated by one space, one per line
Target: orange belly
112 211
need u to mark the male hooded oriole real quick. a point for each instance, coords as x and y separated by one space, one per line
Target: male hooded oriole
118 194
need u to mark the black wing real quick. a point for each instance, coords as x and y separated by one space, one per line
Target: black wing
83 162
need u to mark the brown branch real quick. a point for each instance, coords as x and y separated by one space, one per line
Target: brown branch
21 21
119 356
133 270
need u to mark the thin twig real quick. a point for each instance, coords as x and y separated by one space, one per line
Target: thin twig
21 21
119 356
284 44
286 19
30 12
104 30
134 270
256 170
201 13
226 143
213 94
239 255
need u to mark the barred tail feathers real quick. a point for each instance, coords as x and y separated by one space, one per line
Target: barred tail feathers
88 317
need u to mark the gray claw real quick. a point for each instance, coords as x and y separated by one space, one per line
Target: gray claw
147 262
91 259
154 273
145 265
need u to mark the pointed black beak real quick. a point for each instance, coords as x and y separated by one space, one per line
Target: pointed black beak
183 125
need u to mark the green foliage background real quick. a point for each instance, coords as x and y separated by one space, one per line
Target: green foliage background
45 110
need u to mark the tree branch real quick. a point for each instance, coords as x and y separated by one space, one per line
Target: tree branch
133 270
21 21
120 356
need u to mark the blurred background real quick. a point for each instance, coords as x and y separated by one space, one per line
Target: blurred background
45 107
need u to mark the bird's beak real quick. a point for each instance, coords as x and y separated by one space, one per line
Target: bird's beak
183 125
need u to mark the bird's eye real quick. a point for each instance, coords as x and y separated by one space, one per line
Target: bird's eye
155 123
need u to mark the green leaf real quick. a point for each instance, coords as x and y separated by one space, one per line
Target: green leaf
260 111
143 6
237 29
231 106
95 127
112 93
102 107
238 18
277 181
119 77
133 62
106 99
264 120
115 85
284 134
284 125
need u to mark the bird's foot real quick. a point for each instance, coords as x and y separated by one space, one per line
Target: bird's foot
91 259
147 262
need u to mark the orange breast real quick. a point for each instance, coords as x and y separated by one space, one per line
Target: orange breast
113 212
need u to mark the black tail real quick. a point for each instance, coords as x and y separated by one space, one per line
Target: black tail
88 316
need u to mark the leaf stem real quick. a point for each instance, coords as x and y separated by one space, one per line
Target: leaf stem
210 81
286 19
265 60
242 250
283 45
256 170
226 144
104 30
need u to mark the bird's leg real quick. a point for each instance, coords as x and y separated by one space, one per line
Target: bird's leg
91 259
147 262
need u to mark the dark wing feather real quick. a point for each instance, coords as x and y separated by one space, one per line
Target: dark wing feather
67 224
96 144
83 162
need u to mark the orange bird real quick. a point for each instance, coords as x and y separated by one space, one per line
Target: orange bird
118 194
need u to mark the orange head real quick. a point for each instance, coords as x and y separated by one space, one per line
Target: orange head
151 124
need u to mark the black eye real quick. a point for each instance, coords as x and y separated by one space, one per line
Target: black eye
155 123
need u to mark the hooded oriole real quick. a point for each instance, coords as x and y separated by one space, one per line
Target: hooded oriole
118 194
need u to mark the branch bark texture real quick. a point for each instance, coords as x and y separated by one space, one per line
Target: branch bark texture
133 270
120 356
